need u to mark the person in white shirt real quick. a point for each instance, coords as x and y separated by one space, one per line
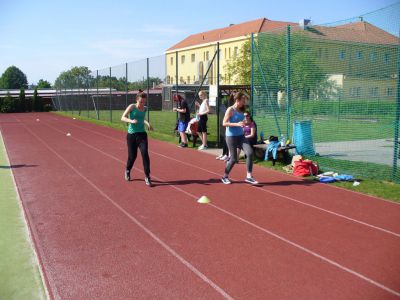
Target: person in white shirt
204 109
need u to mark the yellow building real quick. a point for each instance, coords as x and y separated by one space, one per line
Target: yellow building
359 58
196 51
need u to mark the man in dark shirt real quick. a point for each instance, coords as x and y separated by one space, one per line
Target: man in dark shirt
184 117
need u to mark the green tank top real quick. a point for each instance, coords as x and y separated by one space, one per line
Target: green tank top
139 116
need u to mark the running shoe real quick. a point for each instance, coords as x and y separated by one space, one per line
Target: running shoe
225 180
127 175
219 157
224 157
148 182
202 147
251 180
183 145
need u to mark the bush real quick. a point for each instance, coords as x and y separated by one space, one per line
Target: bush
47 107
8 104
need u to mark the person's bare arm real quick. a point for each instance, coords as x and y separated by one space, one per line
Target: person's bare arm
125 116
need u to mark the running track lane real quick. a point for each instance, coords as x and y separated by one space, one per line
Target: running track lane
373 263
240 258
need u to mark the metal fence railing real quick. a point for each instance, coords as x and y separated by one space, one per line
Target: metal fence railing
333 89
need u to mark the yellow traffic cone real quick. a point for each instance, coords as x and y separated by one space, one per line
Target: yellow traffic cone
204 200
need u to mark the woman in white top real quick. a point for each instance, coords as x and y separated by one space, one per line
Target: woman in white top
204 109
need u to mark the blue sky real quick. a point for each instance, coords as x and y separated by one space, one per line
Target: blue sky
46 37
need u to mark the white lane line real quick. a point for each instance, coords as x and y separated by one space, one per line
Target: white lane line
144 228
263 189
298 246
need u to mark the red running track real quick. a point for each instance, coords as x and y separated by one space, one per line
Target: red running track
99 237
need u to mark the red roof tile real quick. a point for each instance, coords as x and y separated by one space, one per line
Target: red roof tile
229 32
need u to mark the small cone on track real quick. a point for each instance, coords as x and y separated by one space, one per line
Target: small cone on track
203 200
37 120
68 134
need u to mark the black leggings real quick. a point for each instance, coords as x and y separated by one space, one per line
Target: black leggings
135 141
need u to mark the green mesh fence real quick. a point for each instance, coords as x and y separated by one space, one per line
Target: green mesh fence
333 90
104 94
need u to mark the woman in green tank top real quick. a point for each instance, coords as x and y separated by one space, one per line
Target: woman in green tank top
136 138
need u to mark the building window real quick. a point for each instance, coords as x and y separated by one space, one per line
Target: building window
171 61
319 53
182 59
373 92
387 58
225 54
193 57
181 80
373 56
389 92
188 80
342 54
235 52
355 92
359 55
207 55
229 52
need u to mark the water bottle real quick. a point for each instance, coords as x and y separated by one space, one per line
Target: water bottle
283 140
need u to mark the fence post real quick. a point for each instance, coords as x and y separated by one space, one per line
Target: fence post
288 79
126 84
176 79
217 102
87 95
252 75
97 94
110 99
148 91
396 154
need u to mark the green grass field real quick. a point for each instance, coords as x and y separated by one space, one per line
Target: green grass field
19 272
164 121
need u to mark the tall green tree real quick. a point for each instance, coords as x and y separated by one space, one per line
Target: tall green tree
13 78
43 84
37 103
238 69
270 63
22 101
76 77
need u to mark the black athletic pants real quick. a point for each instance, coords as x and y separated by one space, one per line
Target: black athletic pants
135 141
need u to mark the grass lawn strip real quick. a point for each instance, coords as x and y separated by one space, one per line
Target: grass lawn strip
19 269
375 187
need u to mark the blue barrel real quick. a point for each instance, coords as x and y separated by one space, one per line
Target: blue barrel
302 138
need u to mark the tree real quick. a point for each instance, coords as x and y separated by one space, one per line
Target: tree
238 69
37 104
270 65
76 77
13 78
22 101
43 84
8 104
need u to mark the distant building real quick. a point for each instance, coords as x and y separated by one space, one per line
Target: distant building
359 58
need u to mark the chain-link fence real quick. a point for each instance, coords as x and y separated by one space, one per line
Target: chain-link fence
333 90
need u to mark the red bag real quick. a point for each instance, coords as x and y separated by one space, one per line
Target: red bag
305 168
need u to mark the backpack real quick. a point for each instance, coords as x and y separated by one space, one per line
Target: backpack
305 168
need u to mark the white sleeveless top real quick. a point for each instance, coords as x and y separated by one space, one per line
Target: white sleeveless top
203 108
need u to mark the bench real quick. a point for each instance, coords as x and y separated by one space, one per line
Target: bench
283 152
